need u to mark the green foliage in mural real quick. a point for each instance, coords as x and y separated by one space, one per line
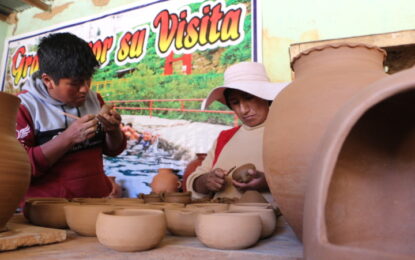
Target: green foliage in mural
145 79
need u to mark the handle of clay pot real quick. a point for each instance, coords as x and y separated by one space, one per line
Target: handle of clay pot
179 184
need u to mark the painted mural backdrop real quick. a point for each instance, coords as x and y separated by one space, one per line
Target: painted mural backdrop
158 58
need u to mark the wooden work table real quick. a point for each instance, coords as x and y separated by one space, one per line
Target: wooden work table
282 245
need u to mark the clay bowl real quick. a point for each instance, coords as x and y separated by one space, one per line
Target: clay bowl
166 205
91 200
48 213
228 230
268 218
130 230
177 197
125 201
29 202
253 204
82 218
216 207
152 197
241 174
181 222
139 206
252 196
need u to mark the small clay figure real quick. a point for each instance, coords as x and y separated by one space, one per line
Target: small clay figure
105 109
241 174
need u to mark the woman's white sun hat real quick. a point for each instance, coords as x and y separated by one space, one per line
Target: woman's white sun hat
249 77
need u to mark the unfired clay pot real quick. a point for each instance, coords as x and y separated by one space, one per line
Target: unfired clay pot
30 201
166 205
326 78
216 207
252 196
49 213
82 218
165 181
228 230
91 200
181 222
152 197
268 218
130 230
191 167
14 164
251 205
177 197
360 199
241 174
125 201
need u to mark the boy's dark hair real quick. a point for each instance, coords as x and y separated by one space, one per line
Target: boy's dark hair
64 55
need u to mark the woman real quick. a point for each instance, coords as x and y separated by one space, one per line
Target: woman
248 92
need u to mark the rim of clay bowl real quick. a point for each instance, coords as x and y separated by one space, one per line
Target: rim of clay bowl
40 202
31 199
187 193
152 195
162 203
253 204
138 200
249 209
88 205
127 213
219 214
190 210
204 204
89 200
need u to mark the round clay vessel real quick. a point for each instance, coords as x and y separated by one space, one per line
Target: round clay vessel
130 230
91 200
268 218
228 230
253 204
29 201
48 214
191 167
216 207
359 201
14 163
326 78
152 197
139 206
167 205
125 201
177 197
241 174
82 218
181 222
252 196
165 181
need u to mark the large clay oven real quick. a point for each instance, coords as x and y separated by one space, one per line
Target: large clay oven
360 198
326 78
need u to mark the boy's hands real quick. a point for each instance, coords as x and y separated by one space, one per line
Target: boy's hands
82 129
109 118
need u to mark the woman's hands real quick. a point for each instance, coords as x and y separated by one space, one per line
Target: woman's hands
258 182
212 181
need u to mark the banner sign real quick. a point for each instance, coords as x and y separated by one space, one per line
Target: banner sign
124 38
